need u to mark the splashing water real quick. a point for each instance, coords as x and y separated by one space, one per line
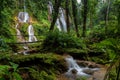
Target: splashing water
75 71
60 22
73 65
79 1
31 34
62 19
23 17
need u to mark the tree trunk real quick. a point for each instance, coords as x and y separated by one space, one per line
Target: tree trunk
107 15
55 14
67 16
74 9
85 17
49 15
91 20
118 72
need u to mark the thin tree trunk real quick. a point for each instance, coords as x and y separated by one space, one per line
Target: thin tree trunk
49 15
67 16
74 9
118 72
118 18
91 20
55 14
107 15
85 17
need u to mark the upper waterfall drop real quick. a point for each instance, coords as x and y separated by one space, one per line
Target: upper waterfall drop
50 6
61 21
79 1
23 17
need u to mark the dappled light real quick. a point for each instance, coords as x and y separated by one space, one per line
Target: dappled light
60 40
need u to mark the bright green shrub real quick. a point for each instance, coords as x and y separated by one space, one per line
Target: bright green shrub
55 41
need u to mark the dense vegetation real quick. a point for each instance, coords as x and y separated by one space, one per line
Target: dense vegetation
93 32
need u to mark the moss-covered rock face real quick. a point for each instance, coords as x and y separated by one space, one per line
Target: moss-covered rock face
36 66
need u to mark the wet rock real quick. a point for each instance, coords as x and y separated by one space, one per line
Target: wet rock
82 63
88 64
93 66
74 71
88 71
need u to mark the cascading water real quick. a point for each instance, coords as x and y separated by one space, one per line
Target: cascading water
50 6
23 17
19 36
73 65
24 6
31 34
50 10
60 22
75 71
62 19
79 1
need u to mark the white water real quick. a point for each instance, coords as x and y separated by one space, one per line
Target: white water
72 65
79 1
62 19
31 34
23 17
60 22
50 6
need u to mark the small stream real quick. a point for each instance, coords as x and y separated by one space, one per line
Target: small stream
75 71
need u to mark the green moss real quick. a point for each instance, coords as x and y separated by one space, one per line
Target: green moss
39 66
45 58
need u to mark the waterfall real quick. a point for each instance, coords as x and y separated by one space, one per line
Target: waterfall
23 17
75 71
24 6
19 36
62 19
31 34
58 24
50 6
72 65
79 1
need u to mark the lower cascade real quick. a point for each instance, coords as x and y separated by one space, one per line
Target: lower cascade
75 71
19 35
23 17
31 34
